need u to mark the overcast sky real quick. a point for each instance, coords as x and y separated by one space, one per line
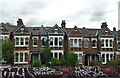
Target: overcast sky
82 13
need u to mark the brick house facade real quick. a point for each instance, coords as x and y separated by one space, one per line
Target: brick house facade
88 43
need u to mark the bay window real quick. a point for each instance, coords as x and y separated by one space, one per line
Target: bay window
21 41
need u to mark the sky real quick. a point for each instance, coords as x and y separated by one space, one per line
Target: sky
82 13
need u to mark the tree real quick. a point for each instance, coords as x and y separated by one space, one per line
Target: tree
7 51
46 52
71 59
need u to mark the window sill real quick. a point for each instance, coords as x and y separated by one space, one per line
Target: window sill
21 45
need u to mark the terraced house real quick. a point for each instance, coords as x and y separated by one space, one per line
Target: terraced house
88 44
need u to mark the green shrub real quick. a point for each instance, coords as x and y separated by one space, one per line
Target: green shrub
64 62
36 63
113 62
95 63
55 62
71 59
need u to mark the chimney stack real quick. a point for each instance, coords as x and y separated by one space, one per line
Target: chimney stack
19 22
63 24
114 29
104 25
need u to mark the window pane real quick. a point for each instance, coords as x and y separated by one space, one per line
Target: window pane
21 57
118 45
80 58
102 43
51 41
60 41
16 57
60 55
34 41
71 42
94 43
85 43
75 42
106 43
26 57
17 41
43 41
103 57
107 57
111 56
55 55
80 43
110 43
56 41
21 41
26 41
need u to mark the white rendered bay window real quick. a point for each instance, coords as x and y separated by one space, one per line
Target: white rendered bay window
21 41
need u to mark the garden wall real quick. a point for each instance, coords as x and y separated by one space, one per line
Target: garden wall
61 71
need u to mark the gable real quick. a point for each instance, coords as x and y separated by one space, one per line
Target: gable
21 30
3 29
106 32
56 30
76 32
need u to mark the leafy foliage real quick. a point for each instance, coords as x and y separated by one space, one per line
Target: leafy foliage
95 63
55 62
113 62
7 51
36 63
46 52
71 59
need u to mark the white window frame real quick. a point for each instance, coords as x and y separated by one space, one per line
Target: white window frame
54 41
95 43
58 52
24 45
23 52
75 45
33 41
87 42
3 37
45 40
105 53
108 42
